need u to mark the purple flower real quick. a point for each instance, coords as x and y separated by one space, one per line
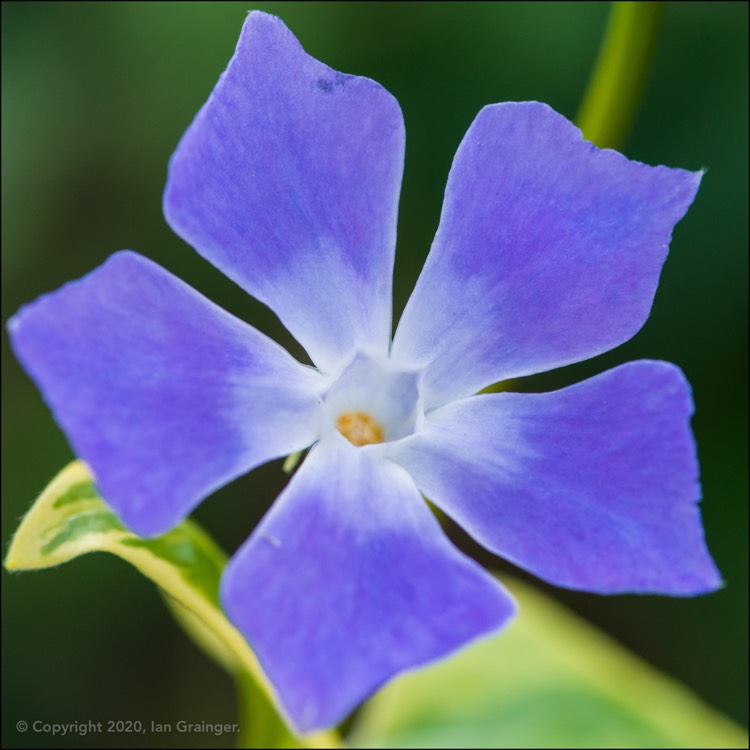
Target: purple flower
548 252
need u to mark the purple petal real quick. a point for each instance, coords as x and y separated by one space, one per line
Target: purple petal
348 581
592 487
288 181
548 252
166 396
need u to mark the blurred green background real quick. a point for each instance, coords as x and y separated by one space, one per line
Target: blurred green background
95 97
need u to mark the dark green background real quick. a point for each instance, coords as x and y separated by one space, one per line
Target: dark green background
95 98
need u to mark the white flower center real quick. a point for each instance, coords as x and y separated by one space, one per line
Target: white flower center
371 401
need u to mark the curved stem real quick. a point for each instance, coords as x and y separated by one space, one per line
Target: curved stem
617 81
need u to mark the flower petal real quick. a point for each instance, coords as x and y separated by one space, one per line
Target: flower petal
165 395
548 252
348 581
288 181
591 487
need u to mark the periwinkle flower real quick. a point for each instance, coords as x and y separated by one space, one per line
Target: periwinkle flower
548 252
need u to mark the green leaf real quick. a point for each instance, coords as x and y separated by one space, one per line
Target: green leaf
70 519
548 680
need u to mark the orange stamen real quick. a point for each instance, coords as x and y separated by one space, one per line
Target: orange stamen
359 428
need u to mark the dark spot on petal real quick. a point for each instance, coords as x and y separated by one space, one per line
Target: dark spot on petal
325 86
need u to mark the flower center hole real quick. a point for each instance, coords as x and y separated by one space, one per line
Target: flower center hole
372 401
359 428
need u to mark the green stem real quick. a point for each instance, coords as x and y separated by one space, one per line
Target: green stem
617 81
